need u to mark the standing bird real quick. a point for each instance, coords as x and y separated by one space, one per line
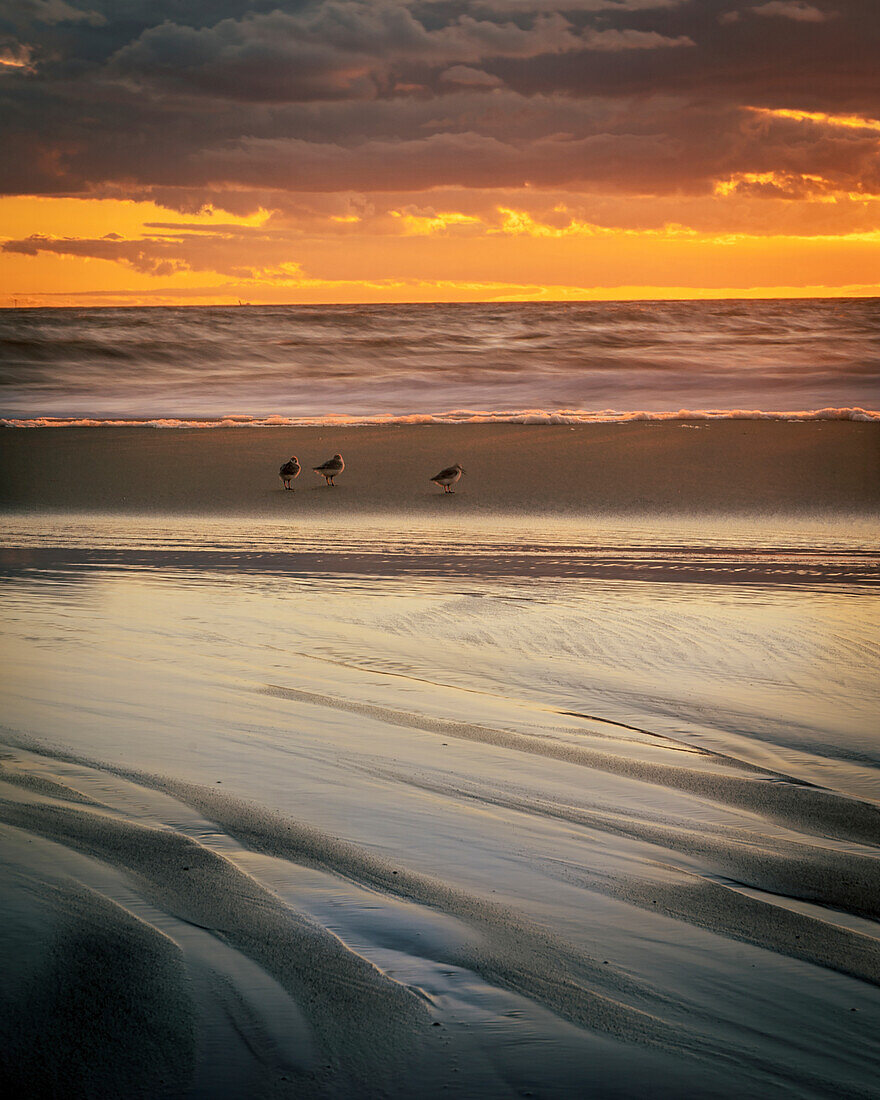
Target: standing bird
289 471
330 469
448 477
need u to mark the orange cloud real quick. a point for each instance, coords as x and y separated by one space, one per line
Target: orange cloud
846 122
528 247
16 56
420 224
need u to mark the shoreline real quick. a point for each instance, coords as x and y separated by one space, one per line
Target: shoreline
454 417
484 566
677 467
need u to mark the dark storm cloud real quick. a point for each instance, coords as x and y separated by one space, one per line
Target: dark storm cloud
769 61
342 49
463 159
350 49
219 101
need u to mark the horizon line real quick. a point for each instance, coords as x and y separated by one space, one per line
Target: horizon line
744 297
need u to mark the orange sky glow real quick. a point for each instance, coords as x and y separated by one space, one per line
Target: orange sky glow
266 158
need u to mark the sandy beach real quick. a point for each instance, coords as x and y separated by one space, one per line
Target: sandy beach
564 785
721 466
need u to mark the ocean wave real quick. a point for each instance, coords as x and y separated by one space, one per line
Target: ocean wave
553 362
453 416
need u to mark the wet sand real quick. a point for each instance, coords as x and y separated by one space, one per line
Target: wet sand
439 795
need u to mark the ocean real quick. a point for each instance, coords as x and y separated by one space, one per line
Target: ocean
565 784
581 360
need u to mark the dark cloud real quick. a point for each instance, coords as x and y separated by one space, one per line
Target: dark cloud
57 11
174 252
141 257
245 104
348 49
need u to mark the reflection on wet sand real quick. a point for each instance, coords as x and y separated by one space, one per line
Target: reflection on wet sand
500 815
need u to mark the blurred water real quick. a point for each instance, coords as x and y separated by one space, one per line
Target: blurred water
374 360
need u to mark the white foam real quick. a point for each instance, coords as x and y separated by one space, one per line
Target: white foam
453 416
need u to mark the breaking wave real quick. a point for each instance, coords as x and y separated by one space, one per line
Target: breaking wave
454 416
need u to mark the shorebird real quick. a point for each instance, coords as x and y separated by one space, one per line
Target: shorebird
330 469
448 477
289 471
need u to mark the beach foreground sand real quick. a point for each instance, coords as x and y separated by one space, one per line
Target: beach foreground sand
359 837
741 465
372 792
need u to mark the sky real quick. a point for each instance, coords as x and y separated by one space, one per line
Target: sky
213 151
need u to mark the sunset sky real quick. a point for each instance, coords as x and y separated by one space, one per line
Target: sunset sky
199 151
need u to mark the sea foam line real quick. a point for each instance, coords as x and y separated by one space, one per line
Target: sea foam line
453 416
